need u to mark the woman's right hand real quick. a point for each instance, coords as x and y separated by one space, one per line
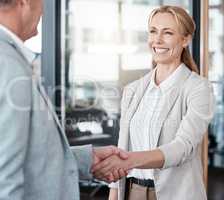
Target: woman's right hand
113 195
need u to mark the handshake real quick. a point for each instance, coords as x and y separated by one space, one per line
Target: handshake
110 163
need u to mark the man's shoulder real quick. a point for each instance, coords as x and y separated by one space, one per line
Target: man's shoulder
7 49
9 55
12 64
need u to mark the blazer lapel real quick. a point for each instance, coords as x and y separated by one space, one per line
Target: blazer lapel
50 106
135 94
36 82
36 76
171 98
140 91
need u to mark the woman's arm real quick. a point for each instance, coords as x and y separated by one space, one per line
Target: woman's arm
146 159
139 160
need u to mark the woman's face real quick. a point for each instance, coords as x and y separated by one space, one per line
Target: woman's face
165 40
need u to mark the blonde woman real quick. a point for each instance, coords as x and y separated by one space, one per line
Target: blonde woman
164 116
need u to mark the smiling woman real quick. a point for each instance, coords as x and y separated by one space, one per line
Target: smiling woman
164 116
172 35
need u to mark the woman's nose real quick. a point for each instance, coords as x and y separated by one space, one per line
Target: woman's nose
158 38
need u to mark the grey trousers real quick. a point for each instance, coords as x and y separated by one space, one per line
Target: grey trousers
137 192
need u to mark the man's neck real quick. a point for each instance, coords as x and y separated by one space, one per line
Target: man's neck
10 21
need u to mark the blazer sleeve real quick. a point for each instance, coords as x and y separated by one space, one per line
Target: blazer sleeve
200 110
15 102
84 158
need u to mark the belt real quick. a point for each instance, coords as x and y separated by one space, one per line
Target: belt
142 182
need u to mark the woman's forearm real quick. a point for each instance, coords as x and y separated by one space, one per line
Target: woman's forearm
146 159
140 160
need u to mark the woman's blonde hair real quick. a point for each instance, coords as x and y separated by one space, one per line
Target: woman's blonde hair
187 27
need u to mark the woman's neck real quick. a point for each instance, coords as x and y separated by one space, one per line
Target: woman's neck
165 70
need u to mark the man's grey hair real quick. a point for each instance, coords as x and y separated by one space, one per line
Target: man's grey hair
7 2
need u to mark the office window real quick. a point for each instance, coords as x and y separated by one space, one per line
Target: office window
94 40
216 76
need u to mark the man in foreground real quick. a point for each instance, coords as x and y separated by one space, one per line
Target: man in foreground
36 162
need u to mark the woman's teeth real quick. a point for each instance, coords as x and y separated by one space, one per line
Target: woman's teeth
160 50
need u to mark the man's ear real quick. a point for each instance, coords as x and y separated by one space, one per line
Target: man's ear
187 40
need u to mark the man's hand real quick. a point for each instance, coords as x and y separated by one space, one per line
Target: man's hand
102 153
113 168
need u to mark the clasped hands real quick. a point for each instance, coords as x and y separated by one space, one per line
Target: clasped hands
110 163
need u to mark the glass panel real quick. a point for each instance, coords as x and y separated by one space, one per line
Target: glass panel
134 35
94 40
216 76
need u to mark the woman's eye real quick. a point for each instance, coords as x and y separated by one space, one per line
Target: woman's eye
152 31
169 33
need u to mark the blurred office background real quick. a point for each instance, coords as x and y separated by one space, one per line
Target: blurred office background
91 49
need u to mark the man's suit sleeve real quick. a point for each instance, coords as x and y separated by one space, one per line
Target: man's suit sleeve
84 158
15 101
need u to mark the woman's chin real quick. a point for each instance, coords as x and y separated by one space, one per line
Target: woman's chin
161 61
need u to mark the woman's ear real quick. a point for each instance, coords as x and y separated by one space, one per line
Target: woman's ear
187 40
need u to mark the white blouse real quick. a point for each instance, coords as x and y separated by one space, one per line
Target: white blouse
143 125
144 122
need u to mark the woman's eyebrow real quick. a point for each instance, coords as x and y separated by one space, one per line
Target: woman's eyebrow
166 28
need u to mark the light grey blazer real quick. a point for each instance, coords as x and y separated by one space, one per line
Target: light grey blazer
183 122
36 162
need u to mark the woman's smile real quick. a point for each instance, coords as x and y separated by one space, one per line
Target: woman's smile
159 50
